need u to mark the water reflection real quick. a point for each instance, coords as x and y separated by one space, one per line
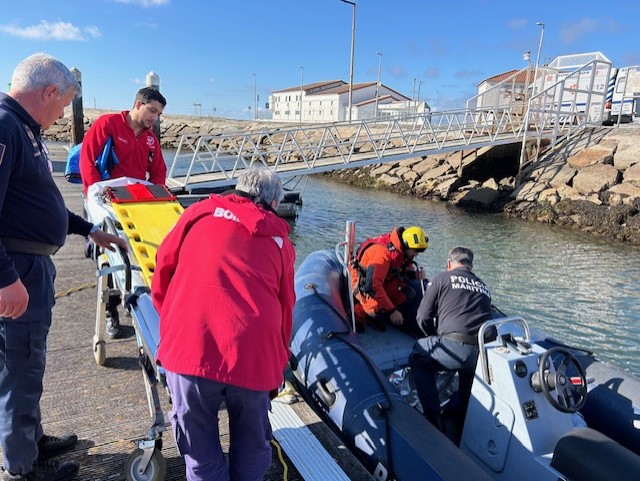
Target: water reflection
573 286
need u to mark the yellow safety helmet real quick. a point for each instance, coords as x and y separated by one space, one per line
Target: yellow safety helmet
415 238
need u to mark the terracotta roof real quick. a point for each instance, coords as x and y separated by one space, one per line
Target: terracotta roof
520 78
373 100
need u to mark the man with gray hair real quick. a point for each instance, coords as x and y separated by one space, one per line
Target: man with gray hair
223 286
34 223
456 303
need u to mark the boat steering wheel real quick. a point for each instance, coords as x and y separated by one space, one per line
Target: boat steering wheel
571 392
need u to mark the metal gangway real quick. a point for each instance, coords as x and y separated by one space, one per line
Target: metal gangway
546 107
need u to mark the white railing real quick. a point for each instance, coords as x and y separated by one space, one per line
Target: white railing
215 161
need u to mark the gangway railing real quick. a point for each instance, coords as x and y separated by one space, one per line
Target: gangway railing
216 160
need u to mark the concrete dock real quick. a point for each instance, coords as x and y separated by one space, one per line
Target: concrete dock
107 405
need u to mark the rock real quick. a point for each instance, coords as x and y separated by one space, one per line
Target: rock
624 193
483 196
445 188
437 172
491 184
426 165
626 157
528 191
590 156
381 169
549 196
563 177
386 179
566 192
632 175
595 178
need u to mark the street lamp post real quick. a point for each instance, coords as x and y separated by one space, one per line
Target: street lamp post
353 40
255 99
535 73
378 84
420 82
301 85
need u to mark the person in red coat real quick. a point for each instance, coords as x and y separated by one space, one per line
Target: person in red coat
223 286
139 157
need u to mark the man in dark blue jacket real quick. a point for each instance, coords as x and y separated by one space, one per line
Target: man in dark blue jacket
456 303
34 223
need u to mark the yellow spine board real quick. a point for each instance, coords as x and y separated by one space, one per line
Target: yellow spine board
146 224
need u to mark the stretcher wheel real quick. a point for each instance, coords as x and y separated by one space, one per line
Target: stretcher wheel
156 469
100 352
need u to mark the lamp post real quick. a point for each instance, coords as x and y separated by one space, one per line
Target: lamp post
420 82
535 73
255 99
353 40
301 85
378 84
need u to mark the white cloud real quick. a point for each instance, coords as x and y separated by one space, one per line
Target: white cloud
52 31
517 23
146 3
569 32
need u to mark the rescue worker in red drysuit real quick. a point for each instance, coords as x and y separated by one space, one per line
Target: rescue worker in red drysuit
380 276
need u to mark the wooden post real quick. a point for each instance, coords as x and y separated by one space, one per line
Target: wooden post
77 114
153 81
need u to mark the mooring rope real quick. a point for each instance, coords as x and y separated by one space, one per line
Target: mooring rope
79 288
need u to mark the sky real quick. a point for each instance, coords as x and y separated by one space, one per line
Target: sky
217 54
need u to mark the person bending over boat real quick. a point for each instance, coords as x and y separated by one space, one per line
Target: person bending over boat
139 157
456 303
380 274
223 286
34 223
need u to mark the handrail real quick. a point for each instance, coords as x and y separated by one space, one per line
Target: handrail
483 359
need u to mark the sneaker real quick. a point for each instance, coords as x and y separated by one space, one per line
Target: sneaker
46 471
50 446
112 328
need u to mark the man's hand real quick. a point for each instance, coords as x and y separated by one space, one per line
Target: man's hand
396 318
14 300
104 239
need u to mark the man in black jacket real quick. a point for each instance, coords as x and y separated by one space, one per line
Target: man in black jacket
34 223
456 303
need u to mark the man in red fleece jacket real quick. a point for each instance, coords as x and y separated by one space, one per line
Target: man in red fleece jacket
138 152
223 286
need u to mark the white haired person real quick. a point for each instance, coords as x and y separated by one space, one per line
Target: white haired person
223 286
34 223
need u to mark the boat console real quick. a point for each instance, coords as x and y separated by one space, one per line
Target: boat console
522 423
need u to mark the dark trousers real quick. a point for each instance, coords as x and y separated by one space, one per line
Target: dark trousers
23 343
433 354
194 417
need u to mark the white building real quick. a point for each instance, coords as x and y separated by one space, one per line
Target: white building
511 92
329 102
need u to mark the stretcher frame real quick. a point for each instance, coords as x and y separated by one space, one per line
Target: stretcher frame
146 462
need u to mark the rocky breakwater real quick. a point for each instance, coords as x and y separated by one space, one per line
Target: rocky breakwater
589 182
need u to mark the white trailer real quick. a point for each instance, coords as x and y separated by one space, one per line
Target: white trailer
622 94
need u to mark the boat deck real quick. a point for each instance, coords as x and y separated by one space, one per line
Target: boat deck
107 406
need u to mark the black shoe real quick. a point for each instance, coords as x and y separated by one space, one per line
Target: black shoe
377 324
46 471
112 328
54 470
50 446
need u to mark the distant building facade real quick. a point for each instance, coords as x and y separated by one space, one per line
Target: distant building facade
324 102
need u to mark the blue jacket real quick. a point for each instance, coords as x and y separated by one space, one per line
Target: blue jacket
31 206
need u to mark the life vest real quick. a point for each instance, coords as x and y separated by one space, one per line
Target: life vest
395 269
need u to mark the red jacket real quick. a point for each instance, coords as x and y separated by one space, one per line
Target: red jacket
137 155
223 286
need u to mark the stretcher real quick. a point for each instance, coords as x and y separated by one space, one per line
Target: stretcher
142 214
